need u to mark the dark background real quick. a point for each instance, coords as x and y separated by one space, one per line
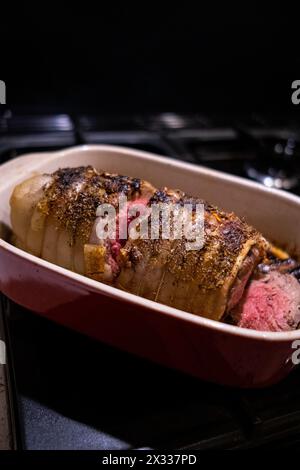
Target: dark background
226 73
145 58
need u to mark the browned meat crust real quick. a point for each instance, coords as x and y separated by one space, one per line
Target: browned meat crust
75 194
204 282
200 281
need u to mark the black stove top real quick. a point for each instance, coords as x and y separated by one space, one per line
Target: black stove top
261 147
71 392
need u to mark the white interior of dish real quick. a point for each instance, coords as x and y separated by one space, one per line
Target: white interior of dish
274 213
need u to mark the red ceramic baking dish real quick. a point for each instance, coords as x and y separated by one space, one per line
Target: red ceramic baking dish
207 349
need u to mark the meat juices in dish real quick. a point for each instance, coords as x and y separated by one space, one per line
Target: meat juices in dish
53 217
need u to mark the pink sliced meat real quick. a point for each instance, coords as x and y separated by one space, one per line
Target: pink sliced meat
270 303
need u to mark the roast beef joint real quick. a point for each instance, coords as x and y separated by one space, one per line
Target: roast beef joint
236 277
